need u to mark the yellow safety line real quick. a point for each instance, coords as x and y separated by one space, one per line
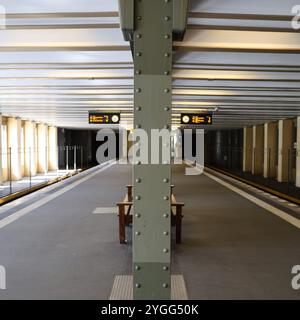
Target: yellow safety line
267 189
25 192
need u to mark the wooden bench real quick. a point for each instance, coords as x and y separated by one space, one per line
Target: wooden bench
125 214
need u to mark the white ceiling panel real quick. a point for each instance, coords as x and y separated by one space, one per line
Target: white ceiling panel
61 58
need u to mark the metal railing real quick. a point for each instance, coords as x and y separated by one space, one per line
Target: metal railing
72 157
26 168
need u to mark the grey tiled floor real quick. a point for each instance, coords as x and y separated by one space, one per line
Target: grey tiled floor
231 248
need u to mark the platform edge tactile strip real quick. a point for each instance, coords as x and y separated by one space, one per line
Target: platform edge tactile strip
105 210
122 288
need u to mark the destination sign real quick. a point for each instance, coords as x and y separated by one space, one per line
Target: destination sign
196 119
104 117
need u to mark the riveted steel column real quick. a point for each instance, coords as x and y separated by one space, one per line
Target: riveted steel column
152 110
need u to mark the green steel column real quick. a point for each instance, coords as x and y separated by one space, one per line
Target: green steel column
152 110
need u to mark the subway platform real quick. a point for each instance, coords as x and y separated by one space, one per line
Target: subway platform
54 244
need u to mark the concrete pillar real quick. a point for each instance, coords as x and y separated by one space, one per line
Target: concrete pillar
14 145
298 154
258 150
4 149
30 167
52 148
247 149
42 148
1 154
285 144
22 148
36 154
270 147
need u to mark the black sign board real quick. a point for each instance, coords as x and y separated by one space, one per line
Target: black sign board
96 117
196 118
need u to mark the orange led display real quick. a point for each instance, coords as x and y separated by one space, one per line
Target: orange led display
196 119
104 118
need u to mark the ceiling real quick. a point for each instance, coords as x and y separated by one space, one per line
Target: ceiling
61 58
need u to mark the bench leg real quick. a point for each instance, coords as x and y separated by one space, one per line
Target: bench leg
130 194
122 224
178 224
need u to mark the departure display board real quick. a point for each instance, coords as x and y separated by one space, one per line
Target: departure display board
104 117
196 118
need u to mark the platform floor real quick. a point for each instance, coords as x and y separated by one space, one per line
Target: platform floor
54 247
